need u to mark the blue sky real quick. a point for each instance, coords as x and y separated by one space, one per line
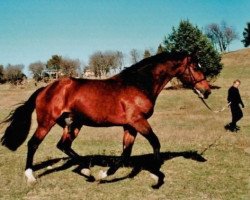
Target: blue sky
33 30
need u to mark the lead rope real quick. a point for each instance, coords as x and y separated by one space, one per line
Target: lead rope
201 97
215 111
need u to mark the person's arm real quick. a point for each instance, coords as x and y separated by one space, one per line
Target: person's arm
240 101
229 96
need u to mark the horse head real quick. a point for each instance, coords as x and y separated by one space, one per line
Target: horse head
190 73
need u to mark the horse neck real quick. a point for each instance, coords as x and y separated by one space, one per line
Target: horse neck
161 82
159 86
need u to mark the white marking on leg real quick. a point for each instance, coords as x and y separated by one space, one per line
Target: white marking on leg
29 175
86 172
102 175
156 178
49 167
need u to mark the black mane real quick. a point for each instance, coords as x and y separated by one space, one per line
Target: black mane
151 61
140 74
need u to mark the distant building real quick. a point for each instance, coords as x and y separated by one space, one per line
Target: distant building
51 73
88 73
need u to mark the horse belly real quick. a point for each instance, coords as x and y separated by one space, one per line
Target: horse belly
101 112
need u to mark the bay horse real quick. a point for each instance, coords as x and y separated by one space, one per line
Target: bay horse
126 99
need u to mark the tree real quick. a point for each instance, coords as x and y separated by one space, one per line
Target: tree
160 49
1 74
246 35
221 35
101 63
63 66
69 67
120 60
14 74
54 62
146 53
188 38
135 56
36 69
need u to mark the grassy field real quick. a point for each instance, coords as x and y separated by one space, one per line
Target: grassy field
201 159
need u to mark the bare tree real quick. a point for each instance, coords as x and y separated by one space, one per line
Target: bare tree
14 74
70 67
36 69
146 53
160 49
119 60
95 63
135 56
221 35
230 34
101 63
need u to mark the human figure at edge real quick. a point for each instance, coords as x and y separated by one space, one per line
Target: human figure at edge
234 101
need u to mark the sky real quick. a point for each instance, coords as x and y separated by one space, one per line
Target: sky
34 30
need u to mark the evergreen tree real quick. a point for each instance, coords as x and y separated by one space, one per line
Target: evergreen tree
188 38
246 35
54 62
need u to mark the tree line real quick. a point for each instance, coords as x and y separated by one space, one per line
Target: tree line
207 45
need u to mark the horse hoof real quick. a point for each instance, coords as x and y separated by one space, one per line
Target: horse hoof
86 172
102 175
29 175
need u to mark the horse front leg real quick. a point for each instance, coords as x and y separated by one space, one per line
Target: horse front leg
144 128
128 141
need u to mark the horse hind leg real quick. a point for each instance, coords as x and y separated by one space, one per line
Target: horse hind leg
33 144
70 132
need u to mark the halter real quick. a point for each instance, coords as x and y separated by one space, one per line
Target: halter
194 80
201 95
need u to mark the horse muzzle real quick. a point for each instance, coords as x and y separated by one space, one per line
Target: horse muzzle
202 93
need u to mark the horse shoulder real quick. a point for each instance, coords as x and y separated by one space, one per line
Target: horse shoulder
136 104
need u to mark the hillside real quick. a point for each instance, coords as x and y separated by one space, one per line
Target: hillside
237 58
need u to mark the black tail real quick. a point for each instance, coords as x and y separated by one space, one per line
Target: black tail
20 121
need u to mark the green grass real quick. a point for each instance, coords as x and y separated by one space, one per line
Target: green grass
182 124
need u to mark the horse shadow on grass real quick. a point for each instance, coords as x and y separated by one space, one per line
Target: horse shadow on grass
137 163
